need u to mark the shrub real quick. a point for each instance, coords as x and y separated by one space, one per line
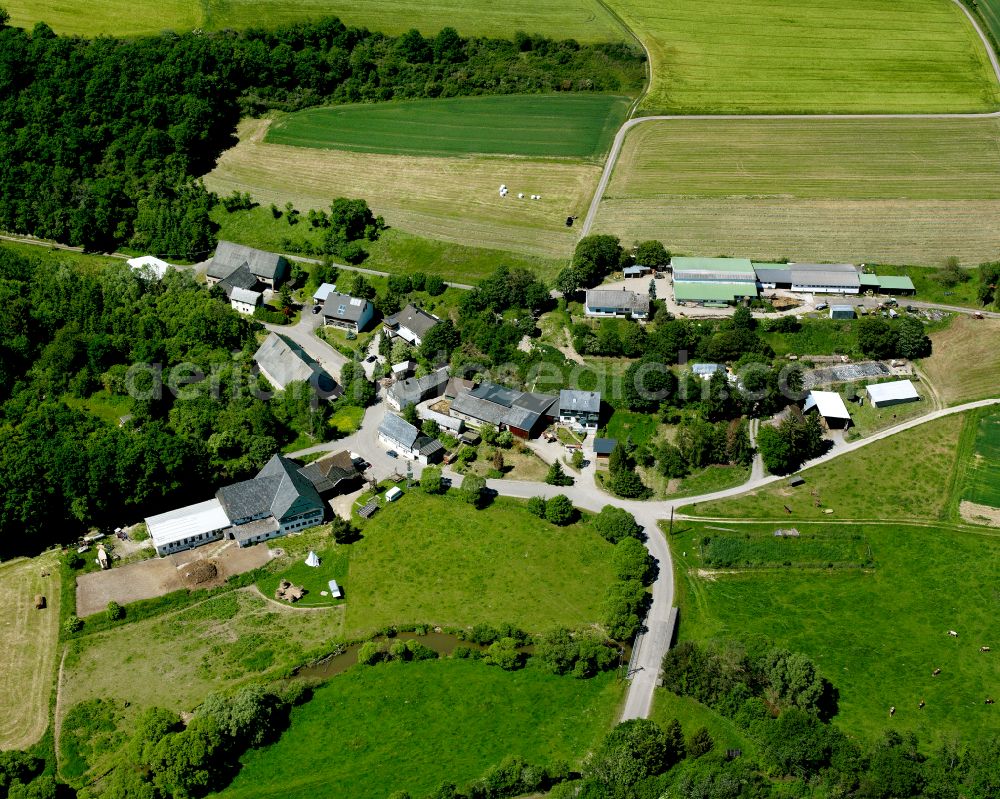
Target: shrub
114 611
503 653
435 286
369 653
631 561
536 505
73 624
557 477
700 743
431 481
615 524
559 510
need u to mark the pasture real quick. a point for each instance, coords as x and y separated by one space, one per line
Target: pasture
693 715
29 639
861 191
534 125
828 56
412 726
876 634
175 660
450 199
907 476
584 20
435 560
965 360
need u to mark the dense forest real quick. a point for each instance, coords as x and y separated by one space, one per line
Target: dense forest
69 343
102 141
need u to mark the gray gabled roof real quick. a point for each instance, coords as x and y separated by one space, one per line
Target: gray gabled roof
499 395
326 472
605 446
485 411
240 278
414 319
279 489
417 389
229 256
425 445
244 295
287 362
343 306
574 402
619 299
398 429
537 403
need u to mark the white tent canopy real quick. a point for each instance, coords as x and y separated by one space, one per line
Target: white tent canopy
312 560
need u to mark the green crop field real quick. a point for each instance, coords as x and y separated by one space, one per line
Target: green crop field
921 463
770 56
877 634
982 483
539 125
455 200
411 726
434 560
902 191
990 12
584 20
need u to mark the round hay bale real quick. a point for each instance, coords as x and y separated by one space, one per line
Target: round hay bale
200 572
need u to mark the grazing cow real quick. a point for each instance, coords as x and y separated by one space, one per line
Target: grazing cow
952 633
892 711
984 649
989 701
936 672
921 705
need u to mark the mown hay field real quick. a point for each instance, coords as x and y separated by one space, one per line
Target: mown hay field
28 638
964 364
771 56
450 199
584 20
883 191
542 125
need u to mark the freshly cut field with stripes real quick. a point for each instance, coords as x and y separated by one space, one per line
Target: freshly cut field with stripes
547 125
890 191
583 20
450 199
767 56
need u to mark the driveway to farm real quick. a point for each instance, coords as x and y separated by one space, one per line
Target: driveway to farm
609 165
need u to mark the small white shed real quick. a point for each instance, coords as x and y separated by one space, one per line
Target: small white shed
393 494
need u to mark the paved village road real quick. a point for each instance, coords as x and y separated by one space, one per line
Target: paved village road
653 644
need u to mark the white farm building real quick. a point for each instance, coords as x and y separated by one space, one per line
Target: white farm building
882 395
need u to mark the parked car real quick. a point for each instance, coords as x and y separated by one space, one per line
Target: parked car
317 308
392 453
370 358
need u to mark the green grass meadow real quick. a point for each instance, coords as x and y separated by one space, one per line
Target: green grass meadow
584 20
535 125
770 56
989 10
906 476
877 634
693 715
411 726
816 337
435 560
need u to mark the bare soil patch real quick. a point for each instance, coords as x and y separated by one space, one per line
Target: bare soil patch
205 567
974 513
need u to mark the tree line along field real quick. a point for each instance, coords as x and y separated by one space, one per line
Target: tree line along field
780 56
883 191
540 125
876 633
412 726
450 199
584 20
